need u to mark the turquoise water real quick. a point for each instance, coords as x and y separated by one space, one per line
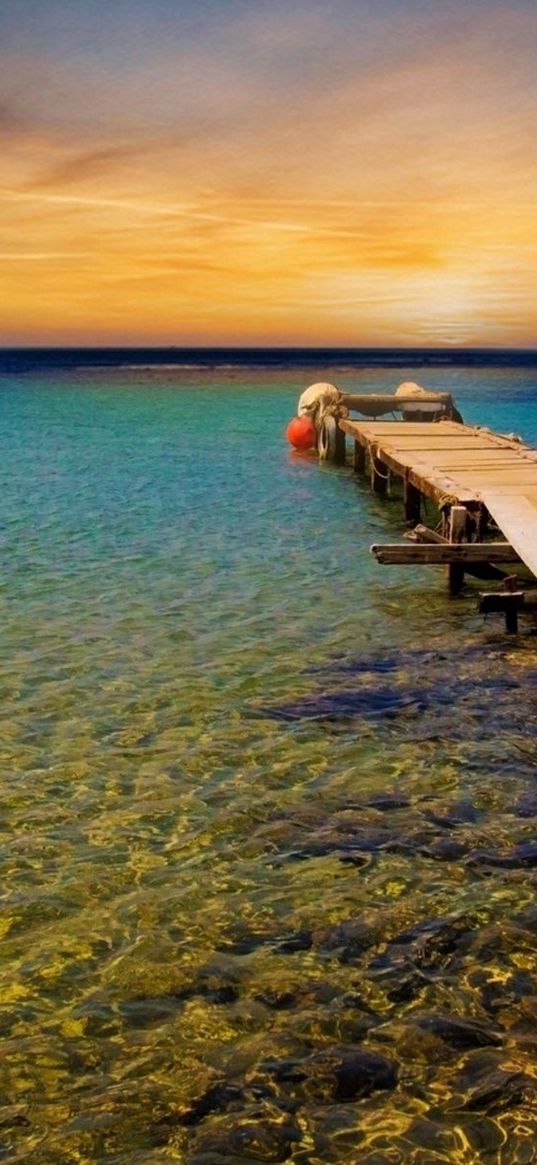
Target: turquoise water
268 808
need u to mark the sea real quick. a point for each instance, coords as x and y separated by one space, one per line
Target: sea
269 809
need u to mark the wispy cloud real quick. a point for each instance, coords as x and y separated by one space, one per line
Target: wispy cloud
83 166
42 256
176 211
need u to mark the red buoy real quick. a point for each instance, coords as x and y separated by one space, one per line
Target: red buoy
301 433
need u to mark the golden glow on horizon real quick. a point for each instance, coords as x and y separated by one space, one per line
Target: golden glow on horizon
392 207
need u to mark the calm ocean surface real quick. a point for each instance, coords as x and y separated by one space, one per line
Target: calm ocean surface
268 809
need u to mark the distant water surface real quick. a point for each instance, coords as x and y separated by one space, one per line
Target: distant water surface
269 809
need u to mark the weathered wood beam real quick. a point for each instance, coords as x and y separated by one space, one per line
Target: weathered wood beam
431 483
482 570
443 553
457 532
436 488
375 404
422 533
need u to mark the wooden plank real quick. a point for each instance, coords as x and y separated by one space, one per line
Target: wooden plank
441 440
465 475
436 450
444 448
448 429
508 491
423 476
474 458
516 516
443 553
422 533
475 482
432 484
446 440
465 461
407 427
503 474
502 466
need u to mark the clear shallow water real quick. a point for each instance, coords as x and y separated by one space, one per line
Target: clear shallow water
268 809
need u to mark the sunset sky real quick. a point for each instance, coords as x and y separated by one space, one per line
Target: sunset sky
256 172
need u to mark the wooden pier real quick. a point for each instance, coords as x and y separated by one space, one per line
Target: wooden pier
485 488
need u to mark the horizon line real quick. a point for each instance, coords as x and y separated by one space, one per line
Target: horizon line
444 349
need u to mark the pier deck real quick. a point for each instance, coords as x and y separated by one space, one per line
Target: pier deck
456 466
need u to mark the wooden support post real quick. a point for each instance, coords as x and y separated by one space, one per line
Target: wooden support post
511 619
359 458
457 533
482 523
412 503
509 603
379 475
340 452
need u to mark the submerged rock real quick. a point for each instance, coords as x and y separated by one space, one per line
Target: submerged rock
341 1022
142 1013
384 802
446 849
337 1072
527 918
458 1033
13 1117
520 856
453 815
407 986
216 1099
428 946
496 942
526 805
301 940
500 1091
348 939
487 1083
243 945
340 705
356 1072
250 1135
277 997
